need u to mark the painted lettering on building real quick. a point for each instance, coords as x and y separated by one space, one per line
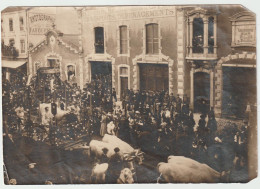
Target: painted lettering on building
40 23
246 35
141 14
243 29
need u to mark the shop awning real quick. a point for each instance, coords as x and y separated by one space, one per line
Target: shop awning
12 63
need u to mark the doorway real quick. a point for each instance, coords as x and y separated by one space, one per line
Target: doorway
154 77
101 72
201 92
124 86
100 69
239 89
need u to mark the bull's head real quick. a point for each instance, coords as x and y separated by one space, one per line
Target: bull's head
139 156
136 155
126 176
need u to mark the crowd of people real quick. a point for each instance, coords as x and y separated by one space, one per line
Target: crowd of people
159 123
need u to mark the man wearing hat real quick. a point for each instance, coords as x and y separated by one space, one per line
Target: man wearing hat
115 166
202 129
178 103
104 158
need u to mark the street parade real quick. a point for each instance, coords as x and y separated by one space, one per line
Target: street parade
112 136
129 94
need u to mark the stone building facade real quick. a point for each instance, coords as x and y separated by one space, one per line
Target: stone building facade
180 49
22 28
125 31
206 52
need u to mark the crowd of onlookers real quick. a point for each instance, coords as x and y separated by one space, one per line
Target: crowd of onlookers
159 123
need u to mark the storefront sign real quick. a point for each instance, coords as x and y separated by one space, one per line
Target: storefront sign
243 30
131 15
40 23
245 34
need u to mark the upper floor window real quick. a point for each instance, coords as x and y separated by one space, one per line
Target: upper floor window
2 25
21 23
22 46
11 42
123 40
211 35
11 27
99 40
198 35
152 39
201 33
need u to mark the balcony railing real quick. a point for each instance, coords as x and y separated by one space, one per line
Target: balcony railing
9 51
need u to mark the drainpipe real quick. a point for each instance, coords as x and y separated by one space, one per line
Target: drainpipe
81 59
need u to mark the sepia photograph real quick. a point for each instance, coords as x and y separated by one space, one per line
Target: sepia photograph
129 94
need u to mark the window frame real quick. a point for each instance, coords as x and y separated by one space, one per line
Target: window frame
199 23
127 54
23 46
205 16
123 42
95 48
11 25
153 39
123 75
21 25
2 23
11 39
211 21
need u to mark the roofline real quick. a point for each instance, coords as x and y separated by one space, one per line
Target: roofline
14 11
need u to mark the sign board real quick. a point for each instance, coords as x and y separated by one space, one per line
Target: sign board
40 23
131 14
245 34
243 30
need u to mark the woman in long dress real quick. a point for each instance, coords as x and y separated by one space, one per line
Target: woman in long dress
103 127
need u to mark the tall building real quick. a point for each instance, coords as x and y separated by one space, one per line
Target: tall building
14 39
21 29
205 52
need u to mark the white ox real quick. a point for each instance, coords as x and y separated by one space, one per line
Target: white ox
97 146
111 142
117 142
128 151
98 175
180 169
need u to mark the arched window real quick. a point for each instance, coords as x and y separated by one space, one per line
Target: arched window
99 40
198 35
211 35
152 39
